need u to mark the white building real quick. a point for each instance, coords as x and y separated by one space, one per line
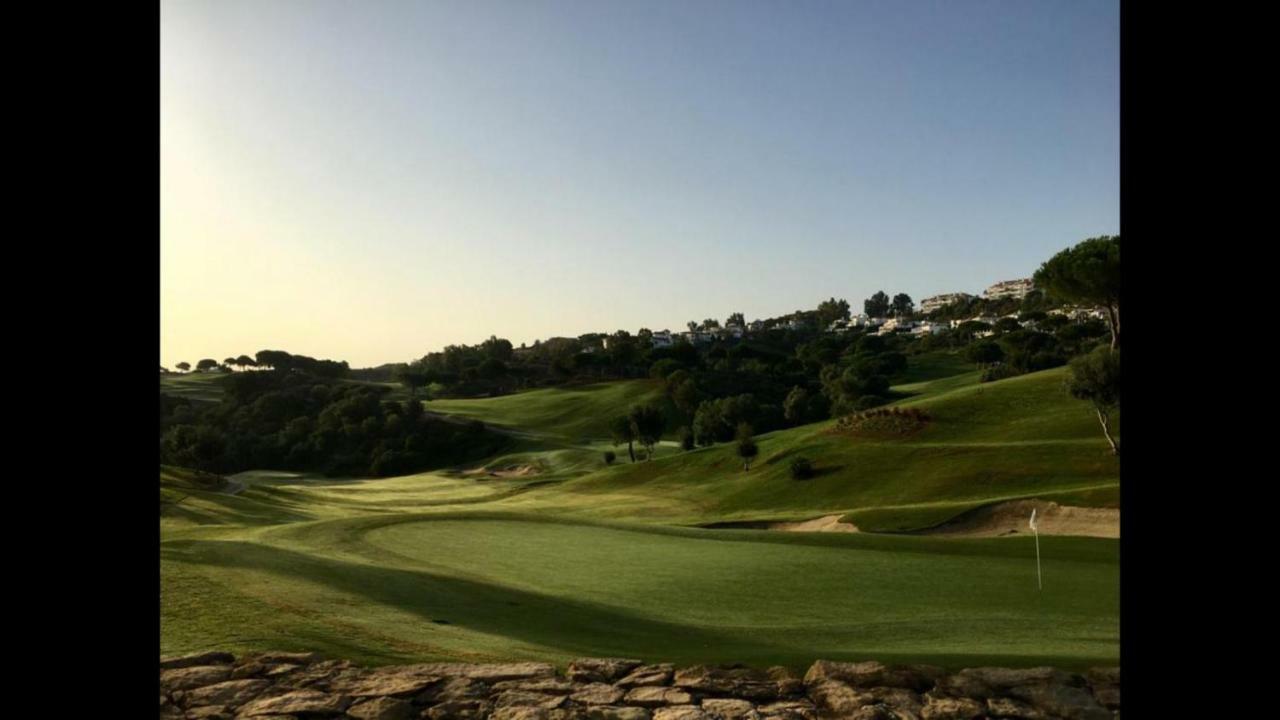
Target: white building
1009 288
937 302
662 338
929 328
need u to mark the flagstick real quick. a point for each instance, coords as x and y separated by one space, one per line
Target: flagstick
1036 529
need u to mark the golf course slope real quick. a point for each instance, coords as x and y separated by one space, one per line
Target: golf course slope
569 557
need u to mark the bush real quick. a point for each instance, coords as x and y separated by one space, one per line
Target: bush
686 438
609 457
801 468
999 372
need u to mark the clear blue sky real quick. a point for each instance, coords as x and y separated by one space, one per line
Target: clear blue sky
372 181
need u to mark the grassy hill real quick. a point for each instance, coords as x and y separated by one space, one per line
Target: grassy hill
577 413
1016 438
574 558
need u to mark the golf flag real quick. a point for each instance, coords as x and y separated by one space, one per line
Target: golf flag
1035 529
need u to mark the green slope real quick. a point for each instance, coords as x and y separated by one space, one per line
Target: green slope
1014 438
576 414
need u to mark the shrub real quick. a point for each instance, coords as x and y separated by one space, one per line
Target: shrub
609 457
801 468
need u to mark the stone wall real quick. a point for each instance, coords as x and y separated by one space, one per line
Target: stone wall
303 685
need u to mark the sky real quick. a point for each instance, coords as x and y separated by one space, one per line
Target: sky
372 181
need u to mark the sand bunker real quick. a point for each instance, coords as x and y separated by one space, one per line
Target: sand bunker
512 471
1010 518
826 523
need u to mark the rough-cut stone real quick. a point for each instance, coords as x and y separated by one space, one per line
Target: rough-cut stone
196 676
788 682
614 713
951 708
680 712
1010 708
740 682
900 700
551 686
382 708
461 709
789 710
193 659
604 670
209 712
1105 684
1053 691
836 697
597 694
232 692
647 675
729 709
454 689
873 674
657 697
519 698
309 702
490 673
386 683
305 688
519 713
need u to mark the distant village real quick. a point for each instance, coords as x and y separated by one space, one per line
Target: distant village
1013 289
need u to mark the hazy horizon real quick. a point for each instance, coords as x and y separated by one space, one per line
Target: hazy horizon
373 182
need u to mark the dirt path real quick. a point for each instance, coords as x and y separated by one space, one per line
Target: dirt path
1010 518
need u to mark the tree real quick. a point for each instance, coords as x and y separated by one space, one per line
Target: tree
245 361
832 310
206 364
692 325
801 468
1096 377
183 366
686 437
1088 273
229 361
413 377
984 353
622 432
902 305
609 457
746 446
877 305
736 319
796 407
710 323
648 422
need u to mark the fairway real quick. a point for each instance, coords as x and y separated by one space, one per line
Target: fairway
570 557
486 585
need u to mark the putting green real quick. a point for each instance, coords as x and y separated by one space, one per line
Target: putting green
496 585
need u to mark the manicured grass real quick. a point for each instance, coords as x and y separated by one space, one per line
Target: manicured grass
1014 438
577 413
404 587
584 559
194 386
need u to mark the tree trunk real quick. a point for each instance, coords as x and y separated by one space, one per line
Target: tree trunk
1113 320
1102 418
631 451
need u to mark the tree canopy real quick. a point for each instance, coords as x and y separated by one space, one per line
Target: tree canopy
1087 274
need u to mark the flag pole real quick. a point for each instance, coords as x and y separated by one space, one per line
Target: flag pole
1035 530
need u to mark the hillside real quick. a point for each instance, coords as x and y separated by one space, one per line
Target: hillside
578 413
1015 438
484 562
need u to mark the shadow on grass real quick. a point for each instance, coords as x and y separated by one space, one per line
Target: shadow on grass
571 625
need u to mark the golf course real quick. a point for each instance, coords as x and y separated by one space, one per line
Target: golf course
546 552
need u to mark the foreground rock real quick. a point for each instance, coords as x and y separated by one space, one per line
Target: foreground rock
305 685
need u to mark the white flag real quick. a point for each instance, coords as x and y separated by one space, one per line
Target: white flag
1033 519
